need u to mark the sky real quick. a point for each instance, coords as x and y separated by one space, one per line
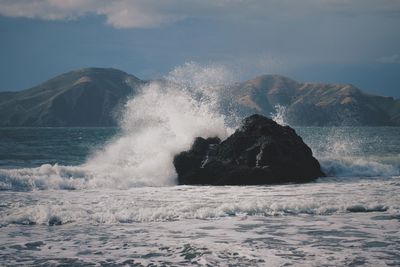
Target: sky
333 41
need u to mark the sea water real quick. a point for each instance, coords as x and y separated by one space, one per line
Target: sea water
108 196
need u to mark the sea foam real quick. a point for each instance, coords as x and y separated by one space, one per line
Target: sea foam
161 120
346 152
151 204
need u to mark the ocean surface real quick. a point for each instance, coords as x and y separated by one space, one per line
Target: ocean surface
108 196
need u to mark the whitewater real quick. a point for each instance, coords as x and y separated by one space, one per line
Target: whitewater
106 197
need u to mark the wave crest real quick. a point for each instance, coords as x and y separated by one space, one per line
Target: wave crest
160 121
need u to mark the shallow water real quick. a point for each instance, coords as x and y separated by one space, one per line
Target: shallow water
60 214
329 223
108 196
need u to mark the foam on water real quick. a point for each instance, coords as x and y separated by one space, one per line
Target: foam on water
44 177
325 223
334 222
150 204
280 115
357 167
345 154
163 119
160 121
342 155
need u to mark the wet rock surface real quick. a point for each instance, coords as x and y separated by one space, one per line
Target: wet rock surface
259 152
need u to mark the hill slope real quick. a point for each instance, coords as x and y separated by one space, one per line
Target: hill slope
315 103
93 97
85 97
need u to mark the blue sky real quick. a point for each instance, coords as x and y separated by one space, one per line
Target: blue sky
342 41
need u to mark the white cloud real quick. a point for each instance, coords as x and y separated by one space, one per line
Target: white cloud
153 13
119 13
136 14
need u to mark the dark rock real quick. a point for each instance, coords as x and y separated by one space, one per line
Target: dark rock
54 220
360 208
259 152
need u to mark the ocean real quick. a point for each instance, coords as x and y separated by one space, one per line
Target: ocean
56 208
109 196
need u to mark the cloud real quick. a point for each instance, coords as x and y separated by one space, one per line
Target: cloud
154 13
118 13
393 59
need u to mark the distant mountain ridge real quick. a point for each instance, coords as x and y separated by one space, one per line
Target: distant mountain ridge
85 97
93 97
318 104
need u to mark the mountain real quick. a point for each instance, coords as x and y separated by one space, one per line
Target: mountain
85 97
318 104
94 97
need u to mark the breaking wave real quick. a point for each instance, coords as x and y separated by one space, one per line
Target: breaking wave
147 204
160 121
347 152
358 167
280 115
56 215
163 119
